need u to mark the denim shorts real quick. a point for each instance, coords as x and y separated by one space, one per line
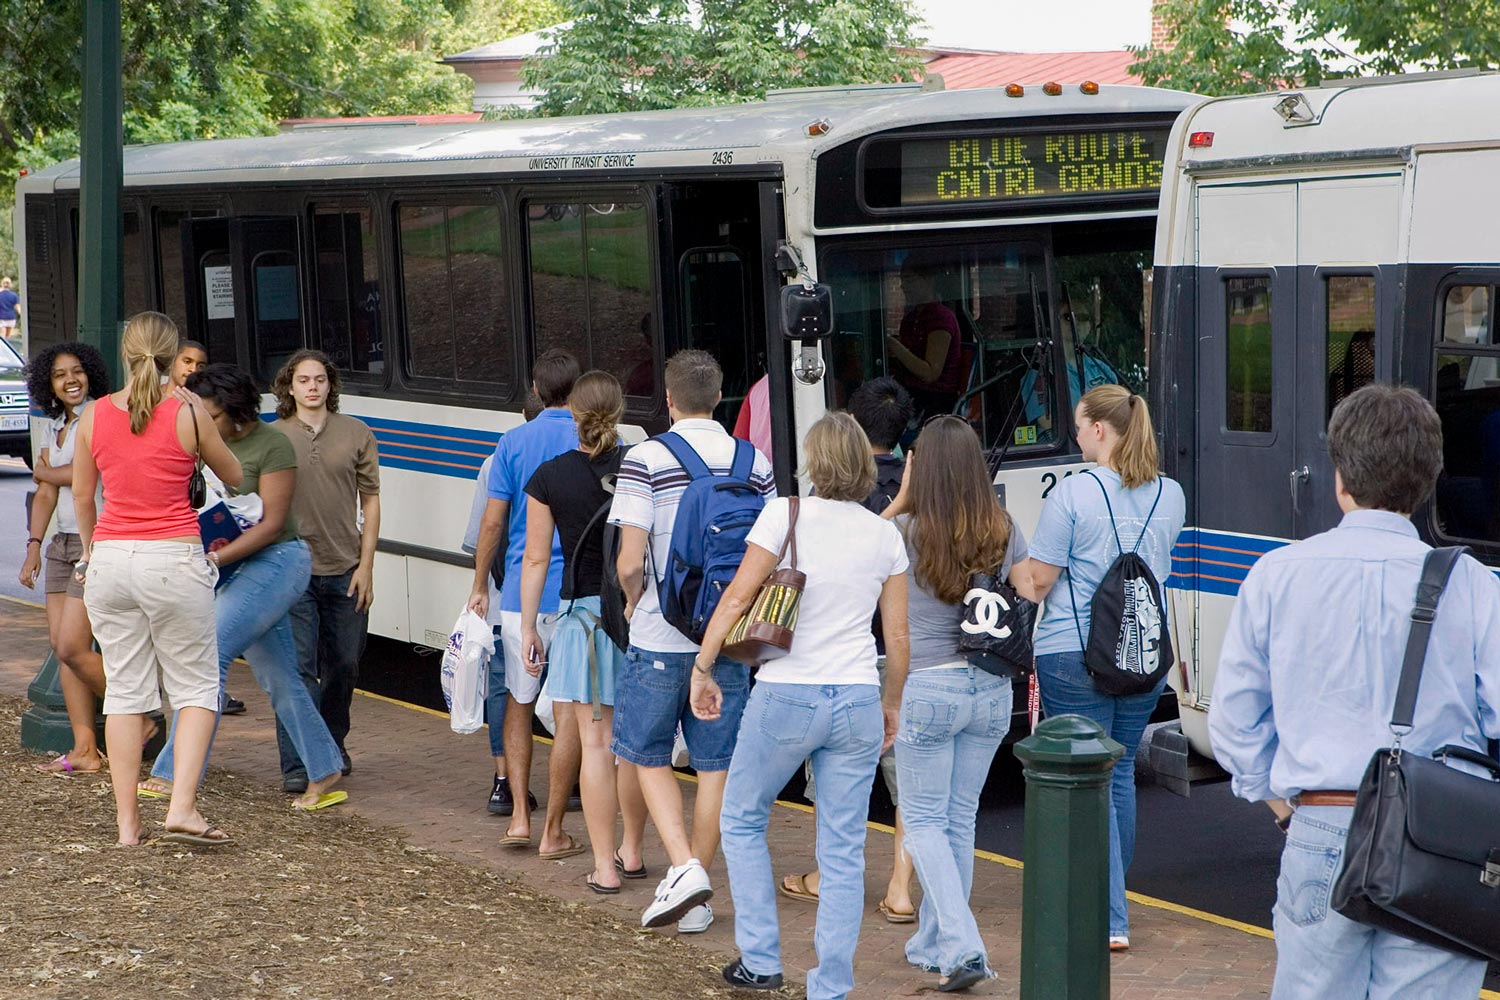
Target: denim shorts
651 699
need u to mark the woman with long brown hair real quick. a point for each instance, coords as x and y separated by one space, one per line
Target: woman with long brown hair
150 588
567 494
1088 519
954 715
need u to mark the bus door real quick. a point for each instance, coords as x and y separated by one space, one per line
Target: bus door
244 293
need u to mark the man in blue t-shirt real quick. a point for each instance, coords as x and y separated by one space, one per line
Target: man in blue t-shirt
502 533
10 313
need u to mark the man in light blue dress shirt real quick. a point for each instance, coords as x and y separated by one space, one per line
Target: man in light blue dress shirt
1307 683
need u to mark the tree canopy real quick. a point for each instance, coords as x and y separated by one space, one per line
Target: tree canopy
212 68
1242 46
638 55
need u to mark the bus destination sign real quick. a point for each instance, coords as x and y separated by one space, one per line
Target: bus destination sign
1031 165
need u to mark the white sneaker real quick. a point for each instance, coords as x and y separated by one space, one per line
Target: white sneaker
683 888
697 920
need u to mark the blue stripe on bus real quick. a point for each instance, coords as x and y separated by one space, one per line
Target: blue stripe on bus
437 449
1216 562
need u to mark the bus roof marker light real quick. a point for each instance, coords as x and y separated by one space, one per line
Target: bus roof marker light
820 127
1295 110
1200 140
1015 90
1088 87
1052 88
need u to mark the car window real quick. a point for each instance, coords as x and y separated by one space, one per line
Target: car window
9 359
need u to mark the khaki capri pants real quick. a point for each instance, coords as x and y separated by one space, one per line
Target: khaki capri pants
152 608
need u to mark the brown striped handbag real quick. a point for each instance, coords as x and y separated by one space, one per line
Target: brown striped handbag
764 631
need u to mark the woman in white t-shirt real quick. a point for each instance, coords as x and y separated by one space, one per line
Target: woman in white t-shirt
63 382
821 701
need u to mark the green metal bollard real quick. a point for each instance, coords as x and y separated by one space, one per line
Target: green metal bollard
1065 884
45 727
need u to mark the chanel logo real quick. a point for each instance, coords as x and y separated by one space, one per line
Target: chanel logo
987 608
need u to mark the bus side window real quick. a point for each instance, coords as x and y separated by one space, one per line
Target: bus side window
591 288
1350 326
1247 354
348 288
1466 372
453 294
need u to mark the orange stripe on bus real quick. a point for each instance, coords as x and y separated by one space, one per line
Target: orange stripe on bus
437 437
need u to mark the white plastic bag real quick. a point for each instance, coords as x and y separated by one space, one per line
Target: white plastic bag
464 671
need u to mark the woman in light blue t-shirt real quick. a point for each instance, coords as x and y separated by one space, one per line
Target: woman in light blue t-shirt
1083 524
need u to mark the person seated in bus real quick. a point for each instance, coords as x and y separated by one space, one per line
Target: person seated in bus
1086 369
1299 740
927 351
1075 542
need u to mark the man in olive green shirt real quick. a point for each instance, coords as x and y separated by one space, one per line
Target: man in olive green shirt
337 506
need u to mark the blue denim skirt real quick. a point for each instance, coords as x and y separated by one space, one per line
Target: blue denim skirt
571 674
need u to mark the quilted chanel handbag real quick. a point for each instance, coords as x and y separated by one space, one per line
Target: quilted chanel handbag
995 633
1423 855
764 631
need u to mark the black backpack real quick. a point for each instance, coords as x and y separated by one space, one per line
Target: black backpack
611 597
1129 648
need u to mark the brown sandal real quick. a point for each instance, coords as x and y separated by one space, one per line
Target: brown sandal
795 887
893 916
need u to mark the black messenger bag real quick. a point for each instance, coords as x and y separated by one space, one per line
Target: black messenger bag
1423 855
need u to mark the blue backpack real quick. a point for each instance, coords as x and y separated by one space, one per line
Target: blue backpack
708 538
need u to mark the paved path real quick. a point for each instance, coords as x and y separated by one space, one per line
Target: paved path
413 774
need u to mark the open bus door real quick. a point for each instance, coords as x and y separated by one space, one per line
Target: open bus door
244 290
1290 319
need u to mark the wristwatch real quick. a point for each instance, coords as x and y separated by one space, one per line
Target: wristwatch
706 671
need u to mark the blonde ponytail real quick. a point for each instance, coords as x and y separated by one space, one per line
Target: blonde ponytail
597 403
148 345
1135 457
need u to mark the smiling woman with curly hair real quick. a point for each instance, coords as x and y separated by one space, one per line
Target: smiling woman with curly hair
63 381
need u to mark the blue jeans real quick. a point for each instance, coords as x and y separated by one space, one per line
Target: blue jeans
251 613
952 722
1322 955
841 728
494 697
330 634
1067 689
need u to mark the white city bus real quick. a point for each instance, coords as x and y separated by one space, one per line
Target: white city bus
1309 243
433 263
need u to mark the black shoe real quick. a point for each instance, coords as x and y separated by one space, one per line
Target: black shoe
348 766
575 801
233 706
501 804
735 974
294 783
966 975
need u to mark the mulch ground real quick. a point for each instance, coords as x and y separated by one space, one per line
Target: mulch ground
314 907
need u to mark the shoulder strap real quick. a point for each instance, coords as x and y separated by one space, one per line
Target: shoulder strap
1108 507
570 577
793 506
684 454
1436 569
744 461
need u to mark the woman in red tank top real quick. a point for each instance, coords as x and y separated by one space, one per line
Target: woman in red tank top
150 589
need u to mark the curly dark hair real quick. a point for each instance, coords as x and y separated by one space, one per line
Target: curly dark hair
281 386
39 375
231 387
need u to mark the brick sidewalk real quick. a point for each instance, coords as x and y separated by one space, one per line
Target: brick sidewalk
412 773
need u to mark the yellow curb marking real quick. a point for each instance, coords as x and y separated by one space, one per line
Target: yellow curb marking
21 601
1000 859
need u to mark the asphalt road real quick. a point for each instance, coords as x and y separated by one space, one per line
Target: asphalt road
15 483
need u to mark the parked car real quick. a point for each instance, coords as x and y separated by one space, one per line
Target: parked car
15 405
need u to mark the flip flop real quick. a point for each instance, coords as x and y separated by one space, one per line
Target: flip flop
143 792
603 890
640 872
204 838
62 765
324 801
893 916
511 840
795 887
573 848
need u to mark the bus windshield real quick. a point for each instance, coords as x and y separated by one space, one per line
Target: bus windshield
979 330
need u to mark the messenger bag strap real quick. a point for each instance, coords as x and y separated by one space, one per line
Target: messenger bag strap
793 505
1436 569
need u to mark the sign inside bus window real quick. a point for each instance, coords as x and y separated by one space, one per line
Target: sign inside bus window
999 167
